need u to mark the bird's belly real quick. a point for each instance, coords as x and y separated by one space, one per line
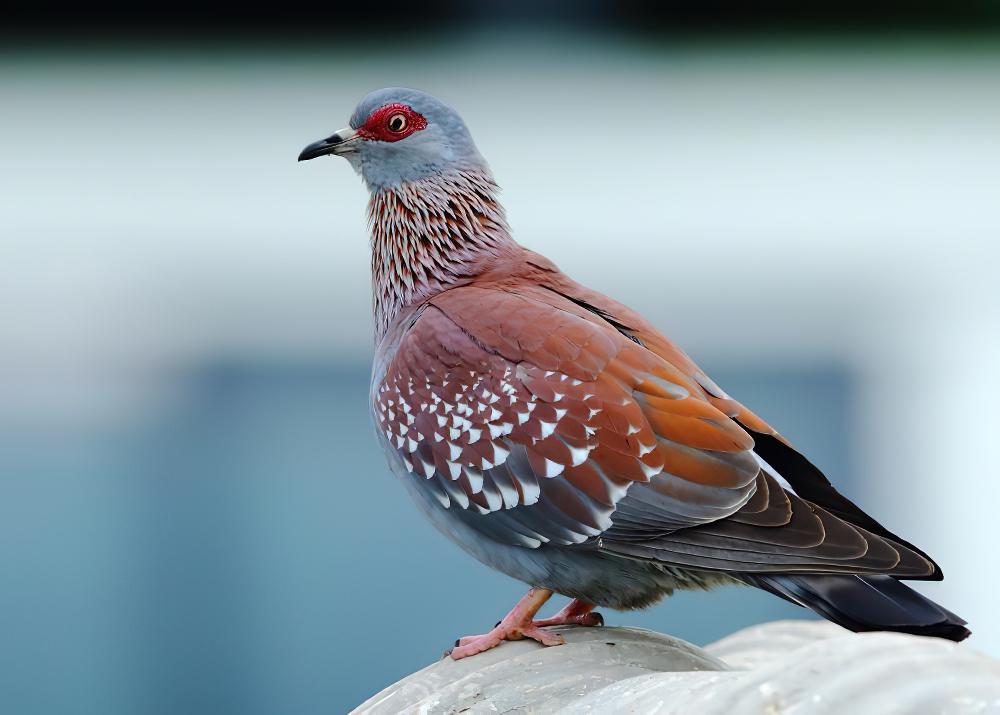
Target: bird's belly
575 571
522 564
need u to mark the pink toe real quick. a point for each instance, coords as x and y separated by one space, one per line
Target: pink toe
547 638
471 645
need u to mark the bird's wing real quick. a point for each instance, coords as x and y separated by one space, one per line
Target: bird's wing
776 454
538 419
538 422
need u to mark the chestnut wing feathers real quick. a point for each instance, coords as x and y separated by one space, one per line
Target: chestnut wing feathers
542 423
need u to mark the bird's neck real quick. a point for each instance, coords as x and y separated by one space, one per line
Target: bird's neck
430 235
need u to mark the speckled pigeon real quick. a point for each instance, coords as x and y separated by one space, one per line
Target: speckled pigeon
559 438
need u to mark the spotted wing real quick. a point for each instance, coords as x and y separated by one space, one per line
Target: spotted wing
536 421
808 526
533 421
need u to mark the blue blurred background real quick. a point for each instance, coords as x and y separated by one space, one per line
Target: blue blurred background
194 514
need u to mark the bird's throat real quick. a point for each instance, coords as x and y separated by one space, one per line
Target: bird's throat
430 235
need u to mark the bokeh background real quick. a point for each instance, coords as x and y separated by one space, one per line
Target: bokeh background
194 514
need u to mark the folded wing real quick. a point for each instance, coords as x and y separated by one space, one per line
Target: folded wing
539 421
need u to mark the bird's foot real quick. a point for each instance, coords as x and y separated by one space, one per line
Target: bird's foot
576 613
516 625
470 645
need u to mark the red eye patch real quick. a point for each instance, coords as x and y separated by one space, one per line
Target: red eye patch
392 123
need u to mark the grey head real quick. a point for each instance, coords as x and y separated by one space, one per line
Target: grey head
398 135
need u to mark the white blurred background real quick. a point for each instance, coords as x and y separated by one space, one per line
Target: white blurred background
193 513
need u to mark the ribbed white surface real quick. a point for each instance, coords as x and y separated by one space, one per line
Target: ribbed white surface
781 667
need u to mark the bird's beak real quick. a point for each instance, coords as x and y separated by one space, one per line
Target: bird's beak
339 143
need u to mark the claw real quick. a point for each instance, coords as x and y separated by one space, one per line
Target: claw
592 619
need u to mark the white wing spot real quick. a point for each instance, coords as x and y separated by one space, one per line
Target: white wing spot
553 469
650 472
578 455
500 454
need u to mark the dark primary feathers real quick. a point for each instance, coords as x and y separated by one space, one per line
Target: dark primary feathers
867 603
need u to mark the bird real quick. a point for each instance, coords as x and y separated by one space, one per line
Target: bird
558 437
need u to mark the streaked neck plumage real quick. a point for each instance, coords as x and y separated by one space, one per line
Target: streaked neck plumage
431 234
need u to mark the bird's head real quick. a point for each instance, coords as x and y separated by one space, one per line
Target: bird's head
397 135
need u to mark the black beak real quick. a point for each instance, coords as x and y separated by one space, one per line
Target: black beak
338 143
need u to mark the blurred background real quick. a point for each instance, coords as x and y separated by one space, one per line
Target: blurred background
194 514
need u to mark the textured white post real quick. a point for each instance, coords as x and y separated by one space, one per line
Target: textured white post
781 667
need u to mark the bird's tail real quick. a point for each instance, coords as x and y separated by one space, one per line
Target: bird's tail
866 603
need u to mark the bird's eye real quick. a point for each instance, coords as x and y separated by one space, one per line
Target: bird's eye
397 123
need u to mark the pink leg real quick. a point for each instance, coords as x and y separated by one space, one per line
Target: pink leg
515 625
576 613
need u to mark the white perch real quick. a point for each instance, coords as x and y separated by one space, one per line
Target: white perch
781 667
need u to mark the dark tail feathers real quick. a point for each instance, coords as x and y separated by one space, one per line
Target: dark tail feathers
867 603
